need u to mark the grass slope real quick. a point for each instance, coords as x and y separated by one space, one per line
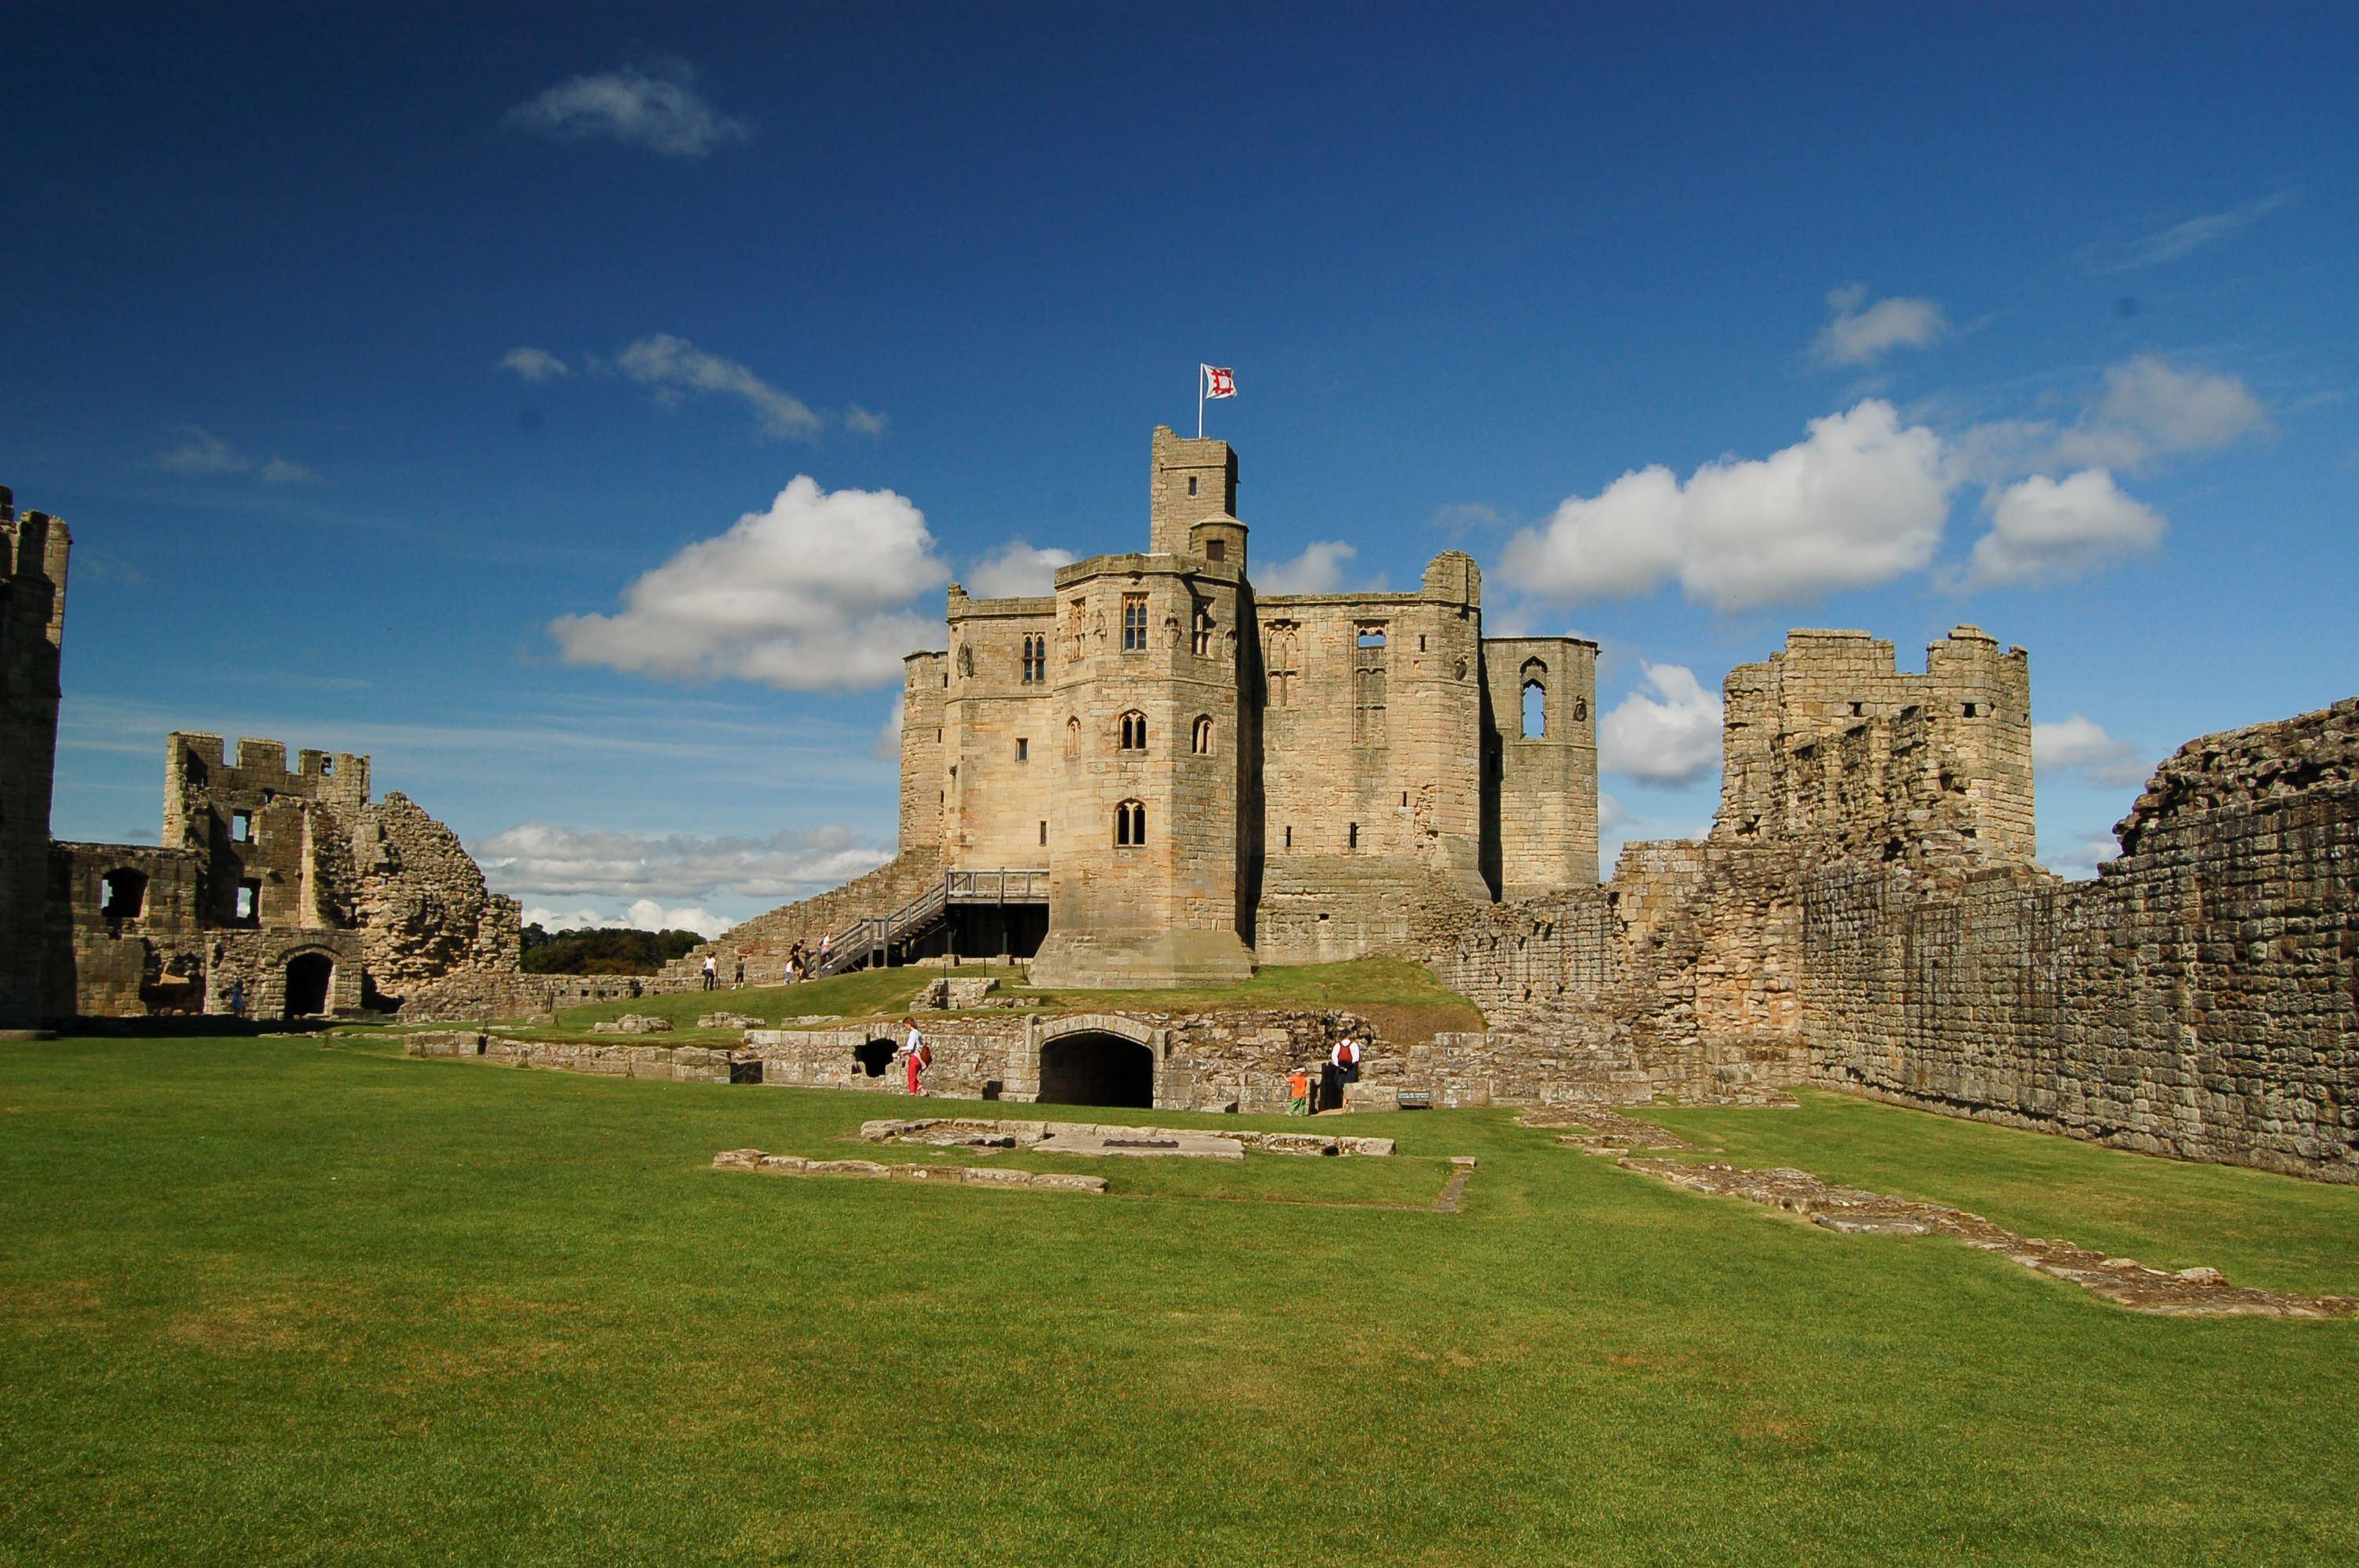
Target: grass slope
263 1302
1403 1000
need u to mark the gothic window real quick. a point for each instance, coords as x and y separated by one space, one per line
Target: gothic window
1133 731
1285 667
1203 634
1134 622
1035 660
1130 823
966 661
1368 705
1202 743
1072 737
1372 633
1535 717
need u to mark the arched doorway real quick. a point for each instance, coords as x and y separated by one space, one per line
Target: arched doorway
1096 1069
309 977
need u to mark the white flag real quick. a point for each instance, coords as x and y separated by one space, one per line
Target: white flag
1219 383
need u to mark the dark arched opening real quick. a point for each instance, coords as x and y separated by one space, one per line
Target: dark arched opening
874 1057
1096 1069
309 978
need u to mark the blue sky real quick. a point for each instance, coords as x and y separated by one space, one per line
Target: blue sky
406 374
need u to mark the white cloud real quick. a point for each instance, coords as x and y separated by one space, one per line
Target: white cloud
282 470
1458 518
2082 857
2081 744
1858 336
2046 531
1318 569
1858 503
2149 410
812 595
549 863
1674 740
645 915
888 745
2180 239
864 422
662 113
534 364
674 366
200 451
1016 570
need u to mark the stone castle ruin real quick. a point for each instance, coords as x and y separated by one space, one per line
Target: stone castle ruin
1154 777
288 893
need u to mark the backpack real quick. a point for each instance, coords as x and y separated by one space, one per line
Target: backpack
925 1056
1348 1052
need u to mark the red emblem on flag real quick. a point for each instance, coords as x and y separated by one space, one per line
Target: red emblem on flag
1219 383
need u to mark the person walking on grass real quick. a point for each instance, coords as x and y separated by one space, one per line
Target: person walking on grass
918 1055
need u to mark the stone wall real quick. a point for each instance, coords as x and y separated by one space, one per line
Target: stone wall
2201 999
488 996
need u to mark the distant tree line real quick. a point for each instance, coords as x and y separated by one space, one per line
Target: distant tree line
611 951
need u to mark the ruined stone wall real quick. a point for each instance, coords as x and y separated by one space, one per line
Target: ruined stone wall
124 938
488 996
34 548
423 907
2201 999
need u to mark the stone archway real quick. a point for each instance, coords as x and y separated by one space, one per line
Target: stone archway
311 980
1095 1067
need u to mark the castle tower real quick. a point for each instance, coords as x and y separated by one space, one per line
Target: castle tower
1827 741
1153 818
33 551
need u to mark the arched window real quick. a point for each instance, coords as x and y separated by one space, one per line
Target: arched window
1203 632
1072 737
1133 731
1535 700
1035 660
1202 743
1130 823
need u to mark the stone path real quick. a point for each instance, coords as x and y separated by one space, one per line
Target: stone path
2188 1293
1068 1137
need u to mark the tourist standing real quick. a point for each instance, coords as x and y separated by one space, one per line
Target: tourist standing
1298 1089
1345 1062
918 1055
711 973
739 984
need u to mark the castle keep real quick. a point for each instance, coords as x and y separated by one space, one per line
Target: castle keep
1208 776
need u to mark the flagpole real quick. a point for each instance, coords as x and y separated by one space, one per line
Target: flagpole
1201 379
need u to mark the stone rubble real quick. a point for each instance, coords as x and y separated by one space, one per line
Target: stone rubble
632 1023
985 1134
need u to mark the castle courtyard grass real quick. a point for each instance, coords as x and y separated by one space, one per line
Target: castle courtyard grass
270 1301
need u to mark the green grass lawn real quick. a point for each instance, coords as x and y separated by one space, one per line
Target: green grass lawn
262 1302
